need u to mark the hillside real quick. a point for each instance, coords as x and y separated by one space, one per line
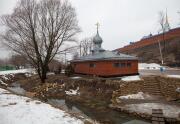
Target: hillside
147 48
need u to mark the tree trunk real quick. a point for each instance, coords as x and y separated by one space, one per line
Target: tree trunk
44 72
43 80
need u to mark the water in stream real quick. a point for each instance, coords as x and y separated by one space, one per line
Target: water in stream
101 113
107 116
15 87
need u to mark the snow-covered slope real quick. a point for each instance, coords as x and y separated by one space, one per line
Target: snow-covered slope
21 110
16 71
151 66
173 76
171 111
131 78
139 95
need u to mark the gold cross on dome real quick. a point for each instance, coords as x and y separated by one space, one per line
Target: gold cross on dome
97 24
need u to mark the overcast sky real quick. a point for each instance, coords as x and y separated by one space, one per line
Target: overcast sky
121 21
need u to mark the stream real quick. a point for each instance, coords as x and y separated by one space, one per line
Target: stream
107 116
101 114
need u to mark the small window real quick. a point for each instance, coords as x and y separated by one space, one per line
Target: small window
116 65
122 65
128 65
92 65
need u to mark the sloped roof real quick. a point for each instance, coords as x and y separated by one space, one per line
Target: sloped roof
106 55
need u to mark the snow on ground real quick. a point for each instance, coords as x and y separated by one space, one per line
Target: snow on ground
72 92
178 90
22 110
1 82
75 77
139 95
173 76
150 66
50 73
171 111
17 90
16 71
28 74
131 78
5 78
62 71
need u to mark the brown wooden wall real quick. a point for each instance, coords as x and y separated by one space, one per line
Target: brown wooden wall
154 39
106 68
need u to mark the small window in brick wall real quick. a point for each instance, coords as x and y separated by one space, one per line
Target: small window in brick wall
129 65
116 65
122 65
92 65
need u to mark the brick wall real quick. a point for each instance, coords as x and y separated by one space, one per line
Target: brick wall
149 41
106 68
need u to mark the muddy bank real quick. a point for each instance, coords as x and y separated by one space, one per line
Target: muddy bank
93 96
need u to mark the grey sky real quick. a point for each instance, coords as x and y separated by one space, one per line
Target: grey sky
122 21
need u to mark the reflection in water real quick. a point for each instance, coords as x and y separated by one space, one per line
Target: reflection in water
66 105
15 87
102 114
99 111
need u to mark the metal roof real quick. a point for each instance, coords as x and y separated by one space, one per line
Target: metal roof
106 55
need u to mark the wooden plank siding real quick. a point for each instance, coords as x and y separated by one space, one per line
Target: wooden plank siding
106 68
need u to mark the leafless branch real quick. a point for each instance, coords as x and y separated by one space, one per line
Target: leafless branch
37 30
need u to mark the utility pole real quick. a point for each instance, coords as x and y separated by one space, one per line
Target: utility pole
65 57
162 62
80 48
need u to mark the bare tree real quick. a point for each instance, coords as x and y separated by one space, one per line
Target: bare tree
75 55
55 66
37 30
161 22
86 46
18 61
179 13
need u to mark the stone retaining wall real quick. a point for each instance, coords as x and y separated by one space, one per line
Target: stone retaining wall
168 87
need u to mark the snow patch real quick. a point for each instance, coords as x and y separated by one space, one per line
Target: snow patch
131 78
28 74
4 77
16 110
72 92
150 66
17 90
75 77
178 90
139 95
16 71
50 73
171 111
173 76
62 71
1 82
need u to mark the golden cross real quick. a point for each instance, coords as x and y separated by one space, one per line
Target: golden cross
97 24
